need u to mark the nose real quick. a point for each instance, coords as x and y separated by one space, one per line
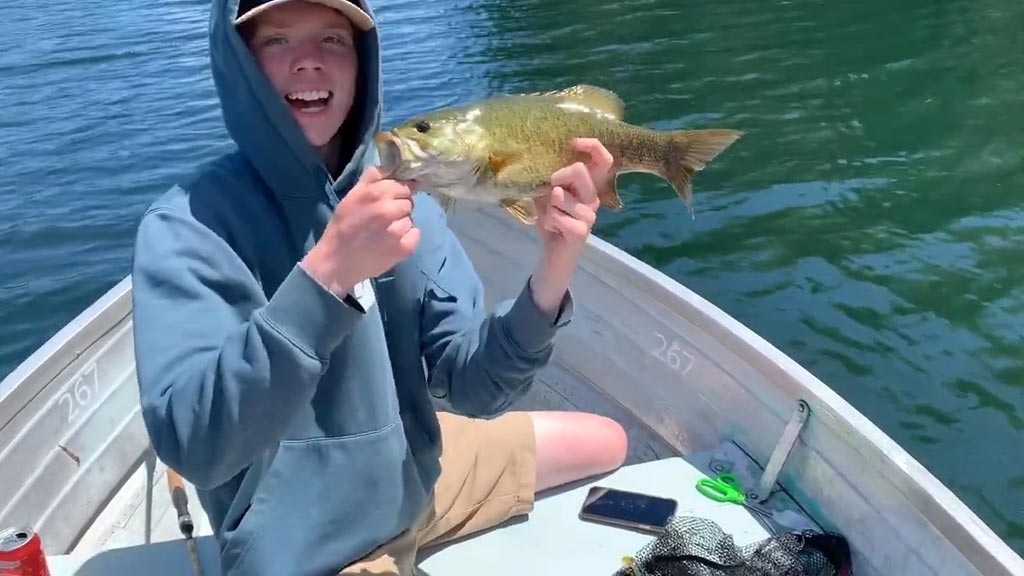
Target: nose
308 58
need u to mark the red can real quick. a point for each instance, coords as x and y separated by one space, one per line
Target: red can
21 553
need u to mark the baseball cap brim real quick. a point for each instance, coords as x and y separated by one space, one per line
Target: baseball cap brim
359 18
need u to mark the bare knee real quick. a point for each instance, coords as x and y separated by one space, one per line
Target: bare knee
575 445
616 443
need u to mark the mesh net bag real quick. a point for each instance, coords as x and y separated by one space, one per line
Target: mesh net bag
692 546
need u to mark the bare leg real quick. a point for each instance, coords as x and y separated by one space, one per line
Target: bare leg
575 445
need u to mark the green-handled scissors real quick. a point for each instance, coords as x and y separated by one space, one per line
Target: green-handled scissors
723 488
726 487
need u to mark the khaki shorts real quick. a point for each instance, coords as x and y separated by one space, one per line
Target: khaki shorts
488 474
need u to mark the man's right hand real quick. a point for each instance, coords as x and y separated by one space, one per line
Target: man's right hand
370 231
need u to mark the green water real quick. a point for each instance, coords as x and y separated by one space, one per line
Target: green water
869 224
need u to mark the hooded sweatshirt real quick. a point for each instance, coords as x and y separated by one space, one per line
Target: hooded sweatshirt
307 421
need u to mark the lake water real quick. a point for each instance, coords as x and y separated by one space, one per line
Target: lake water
870 223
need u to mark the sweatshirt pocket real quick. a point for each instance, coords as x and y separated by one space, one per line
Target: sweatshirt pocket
325 502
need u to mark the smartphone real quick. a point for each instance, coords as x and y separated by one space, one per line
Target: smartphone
625 509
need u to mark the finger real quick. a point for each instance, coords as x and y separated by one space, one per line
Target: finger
568 226
581 212
559 199
541 203
562 217
556 196
371 174
601 159
411 185
397 209
577 211
551 226
410 241
383 193
396 189
577 179
570 175
567 205
400 227
544 219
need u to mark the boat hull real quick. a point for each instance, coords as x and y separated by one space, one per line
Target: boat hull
665 357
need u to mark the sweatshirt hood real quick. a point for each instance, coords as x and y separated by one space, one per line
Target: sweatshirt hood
265 132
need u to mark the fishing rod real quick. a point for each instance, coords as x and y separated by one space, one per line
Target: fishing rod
180 500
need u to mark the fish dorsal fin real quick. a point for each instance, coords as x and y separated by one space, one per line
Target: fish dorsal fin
598 100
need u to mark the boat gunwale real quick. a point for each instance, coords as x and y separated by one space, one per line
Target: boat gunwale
59 351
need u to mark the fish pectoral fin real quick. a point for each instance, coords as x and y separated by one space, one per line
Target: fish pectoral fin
523 210
596 100
508 170
498 162
608 194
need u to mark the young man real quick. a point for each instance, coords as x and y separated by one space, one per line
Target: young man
290 345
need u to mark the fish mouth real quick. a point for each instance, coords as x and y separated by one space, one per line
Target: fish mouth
399 157
390 152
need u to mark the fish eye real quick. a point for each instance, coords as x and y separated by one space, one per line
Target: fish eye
422 126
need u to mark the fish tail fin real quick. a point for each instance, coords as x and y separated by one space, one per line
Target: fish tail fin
690 151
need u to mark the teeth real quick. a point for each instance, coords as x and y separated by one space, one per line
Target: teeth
309 95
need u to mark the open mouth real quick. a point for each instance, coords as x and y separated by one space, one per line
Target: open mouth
399 157
309 101
390 152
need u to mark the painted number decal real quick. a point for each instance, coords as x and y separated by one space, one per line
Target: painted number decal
673 355
83 391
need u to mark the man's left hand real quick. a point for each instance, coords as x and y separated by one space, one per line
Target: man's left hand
565 218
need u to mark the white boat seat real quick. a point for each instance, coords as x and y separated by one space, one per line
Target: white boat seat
552 540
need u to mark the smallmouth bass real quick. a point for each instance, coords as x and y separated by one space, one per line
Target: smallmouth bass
504 149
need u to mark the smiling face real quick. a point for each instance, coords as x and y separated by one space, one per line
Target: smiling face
308 52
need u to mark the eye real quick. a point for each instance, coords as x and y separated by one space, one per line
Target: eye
336 39
422 126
